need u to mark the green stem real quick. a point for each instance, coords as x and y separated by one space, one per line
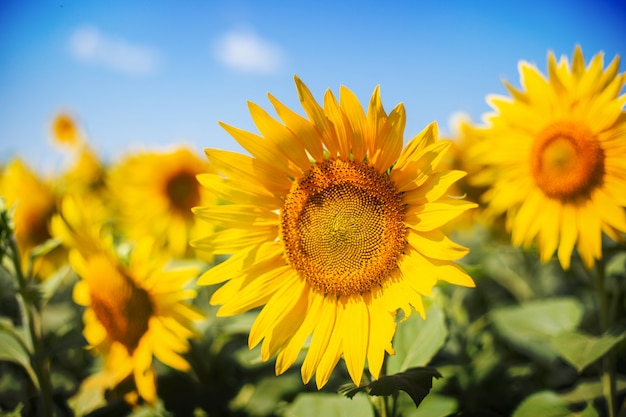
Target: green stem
32 314
608 369
382 405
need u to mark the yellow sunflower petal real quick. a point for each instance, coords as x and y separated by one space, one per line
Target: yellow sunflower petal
435 244
356 332
289 354
322 334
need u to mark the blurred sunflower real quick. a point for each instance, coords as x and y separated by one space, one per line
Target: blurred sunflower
34 201
135 309
65 131
155 193
333 227
85 175
463 137
554 157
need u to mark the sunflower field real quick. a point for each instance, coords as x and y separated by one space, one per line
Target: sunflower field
340 267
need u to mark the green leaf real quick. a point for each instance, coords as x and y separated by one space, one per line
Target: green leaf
530 326
15 413
50 286
550 404
434 405
91 394
416 382
590 391
13 349
581 350
45 248
329 405
260 399
544 404
416 340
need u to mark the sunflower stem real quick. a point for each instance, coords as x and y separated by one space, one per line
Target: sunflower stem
608 370
382 405
32 316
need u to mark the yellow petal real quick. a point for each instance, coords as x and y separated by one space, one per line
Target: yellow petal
431 216
415 172
435 244
434 188
278 138
243 294
342 129
383 326
284 299
301 129
262 149
322 334
569 233
331 355
250 170
358 125
355 328
318 117
289 354
240 262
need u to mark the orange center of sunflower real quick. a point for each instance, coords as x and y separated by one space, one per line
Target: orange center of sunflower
183 192
123 308
343 227
567 161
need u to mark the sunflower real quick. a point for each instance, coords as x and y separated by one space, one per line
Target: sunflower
135 309
332 227
65 131
554 157
463 136
34 201
155 192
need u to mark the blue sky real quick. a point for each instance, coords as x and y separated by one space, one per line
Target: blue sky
157 73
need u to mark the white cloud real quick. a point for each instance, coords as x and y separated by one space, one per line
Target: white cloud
247 52
88 44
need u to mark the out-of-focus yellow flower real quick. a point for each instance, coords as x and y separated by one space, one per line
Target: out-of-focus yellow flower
462 138
34 201
85 175
554 157
65 130
136 309
155 192
333 227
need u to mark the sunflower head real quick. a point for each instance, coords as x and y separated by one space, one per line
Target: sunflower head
333 226
137 303
155 192
34 200
65 131
136 310
552 157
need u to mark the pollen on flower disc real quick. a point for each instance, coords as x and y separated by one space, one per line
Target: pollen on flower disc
567 161
343 227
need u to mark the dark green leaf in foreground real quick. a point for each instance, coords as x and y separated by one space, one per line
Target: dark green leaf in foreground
416 382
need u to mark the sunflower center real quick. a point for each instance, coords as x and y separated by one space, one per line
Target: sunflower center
183 192
567 161
123 308
343 227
